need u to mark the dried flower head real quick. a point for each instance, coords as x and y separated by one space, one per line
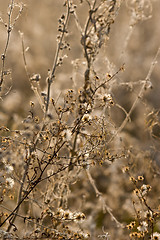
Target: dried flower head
143 227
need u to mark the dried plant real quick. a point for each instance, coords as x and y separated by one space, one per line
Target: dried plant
61 165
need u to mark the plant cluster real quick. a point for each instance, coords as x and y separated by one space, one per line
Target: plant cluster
61 158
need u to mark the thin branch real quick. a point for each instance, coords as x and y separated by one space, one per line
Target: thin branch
52 75
20 194
35 183
35 90
127 118
9 29
101 198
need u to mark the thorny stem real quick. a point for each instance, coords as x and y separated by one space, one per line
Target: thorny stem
52 75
